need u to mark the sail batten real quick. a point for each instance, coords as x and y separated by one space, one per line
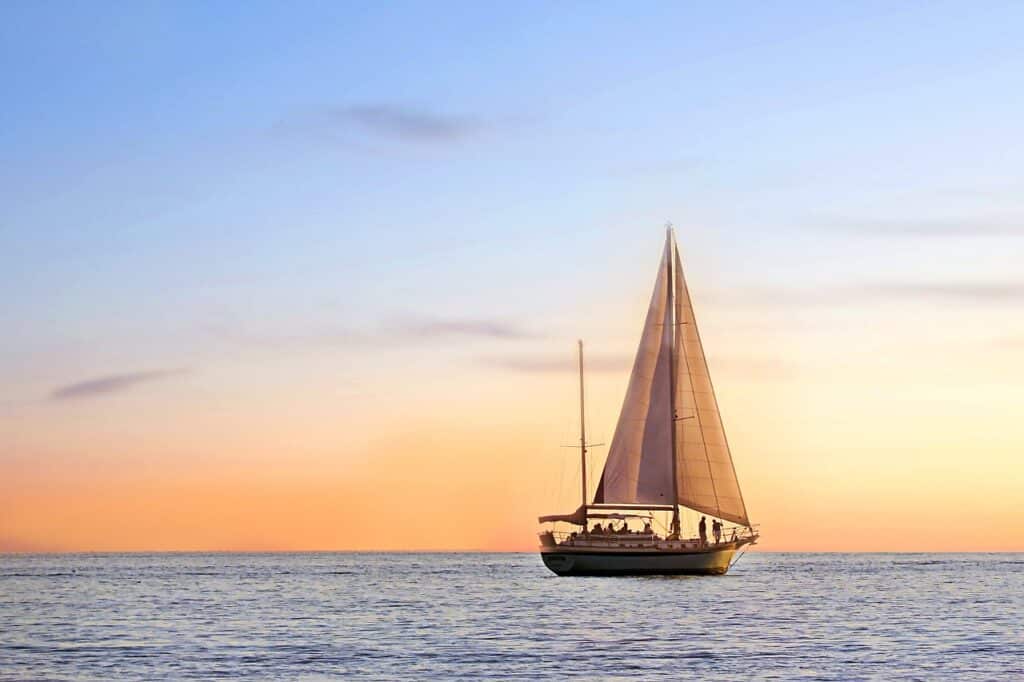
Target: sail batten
640 462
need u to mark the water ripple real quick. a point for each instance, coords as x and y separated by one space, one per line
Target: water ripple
471 616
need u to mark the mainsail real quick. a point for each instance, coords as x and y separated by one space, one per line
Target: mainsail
639 466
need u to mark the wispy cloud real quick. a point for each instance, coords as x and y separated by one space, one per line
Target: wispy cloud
981 293
110 383
393 132
427 328
960 227
393 333
881 292
564 362
406 123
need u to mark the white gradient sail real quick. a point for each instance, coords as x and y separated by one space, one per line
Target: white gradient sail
639 466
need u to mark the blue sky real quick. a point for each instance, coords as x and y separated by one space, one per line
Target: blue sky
172 167
282 173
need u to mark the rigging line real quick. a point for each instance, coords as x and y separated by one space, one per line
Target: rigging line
714 400
739 556
561 479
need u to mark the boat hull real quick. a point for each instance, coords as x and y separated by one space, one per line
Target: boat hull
579 561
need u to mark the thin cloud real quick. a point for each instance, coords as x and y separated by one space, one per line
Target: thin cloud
111 383
395 333
456 327
882 292
979 293
965 227
561 363
407 124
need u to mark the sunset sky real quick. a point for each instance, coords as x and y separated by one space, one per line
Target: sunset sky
311 277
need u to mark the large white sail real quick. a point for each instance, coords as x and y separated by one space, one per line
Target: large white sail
639 465
707 478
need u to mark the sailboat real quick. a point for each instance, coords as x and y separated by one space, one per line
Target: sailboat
669 452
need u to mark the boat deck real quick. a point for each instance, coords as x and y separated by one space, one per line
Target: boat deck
639 541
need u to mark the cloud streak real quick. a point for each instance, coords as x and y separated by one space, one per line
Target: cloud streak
110 383
966 227
882 292
431 328
407 124
561 363
1006 292
395 333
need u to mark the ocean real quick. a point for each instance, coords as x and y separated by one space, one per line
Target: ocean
504 616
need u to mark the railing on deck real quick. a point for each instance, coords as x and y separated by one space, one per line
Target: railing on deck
638 539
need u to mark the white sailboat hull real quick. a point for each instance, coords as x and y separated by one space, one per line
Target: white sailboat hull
581 561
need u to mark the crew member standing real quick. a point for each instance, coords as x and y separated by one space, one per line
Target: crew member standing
716 529
703 528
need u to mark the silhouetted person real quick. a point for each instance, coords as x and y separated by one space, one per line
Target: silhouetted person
716 529
703 528
647 528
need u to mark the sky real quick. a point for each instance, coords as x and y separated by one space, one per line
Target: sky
310 275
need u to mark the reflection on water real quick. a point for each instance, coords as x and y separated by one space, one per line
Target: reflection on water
786 616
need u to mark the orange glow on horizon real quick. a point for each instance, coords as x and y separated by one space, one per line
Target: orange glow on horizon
830 458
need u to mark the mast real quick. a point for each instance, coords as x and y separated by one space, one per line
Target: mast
672 378
583 435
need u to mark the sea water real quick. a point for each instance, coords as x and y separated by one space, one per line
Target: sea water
504 616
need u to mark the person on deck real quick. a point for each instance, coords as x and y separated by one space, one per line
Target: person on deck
597 529
716 529
703 528
647 528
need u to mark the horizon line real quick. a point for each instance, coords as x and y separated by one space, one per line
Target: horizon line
463 551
